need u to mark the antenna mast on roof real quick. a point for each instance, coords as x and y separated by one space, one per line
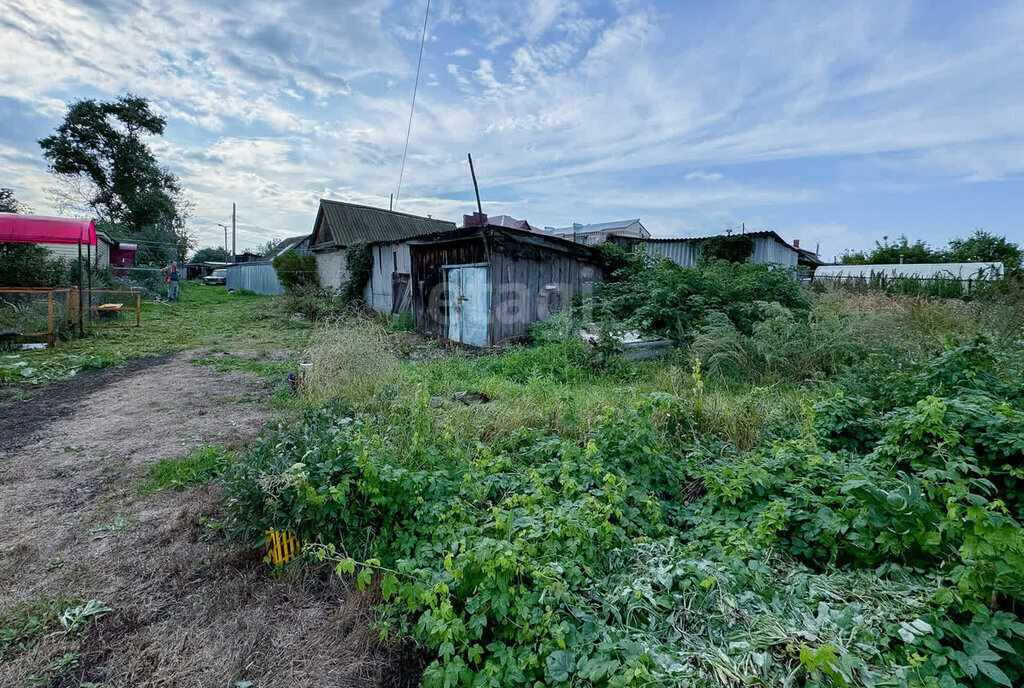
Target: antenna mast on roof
476 188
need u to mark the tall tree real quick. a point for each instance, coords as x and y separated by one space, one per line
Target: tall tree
886 251
210 253
101 150
10 204
985 247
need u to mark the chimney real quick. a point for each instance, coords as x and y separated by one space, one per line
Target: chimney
474 220
796 243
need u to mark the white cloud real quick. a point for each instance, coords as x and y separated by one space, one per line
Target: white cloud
702 176
570 105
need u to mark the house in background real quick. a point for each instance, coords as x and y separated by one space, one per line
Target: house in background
598 233
338 225
299 244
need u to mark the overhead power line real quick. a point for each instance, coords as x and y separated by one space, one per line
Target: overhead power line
412 108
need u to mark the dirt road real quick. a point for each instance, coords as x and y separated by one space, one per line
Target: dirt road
189 608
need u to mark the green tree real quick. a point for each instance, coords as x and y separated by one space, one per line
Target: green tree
985 247
10 204
886 251
100 150
210 253
30 265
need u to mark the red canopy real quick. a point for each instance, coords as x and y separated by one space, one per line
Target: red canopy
35 229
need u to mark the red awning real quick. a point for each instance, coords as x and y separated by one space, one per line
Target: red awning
35 229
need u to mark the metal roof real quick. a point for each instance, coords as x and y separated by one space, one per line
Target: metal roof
37 229
347 223
917 270
599 227
757 234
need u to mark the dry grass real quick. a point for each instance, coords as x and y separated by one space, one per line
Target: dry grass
354 359
189 608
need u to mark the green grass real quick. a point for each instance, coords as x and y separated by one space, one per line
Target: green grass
27 623
201 467
203 317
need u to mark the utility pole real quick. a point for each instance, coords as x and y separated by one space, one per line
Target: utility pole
221 224
234 258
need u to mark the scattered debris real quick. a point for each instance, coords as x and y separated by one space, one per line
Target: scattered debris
472 398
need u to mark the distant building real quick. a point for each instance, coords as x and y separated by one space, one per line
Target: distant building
880 272
597 233
299 244
765 247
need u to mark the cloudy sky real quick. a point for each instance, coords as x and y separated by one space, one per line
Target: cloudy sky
830 122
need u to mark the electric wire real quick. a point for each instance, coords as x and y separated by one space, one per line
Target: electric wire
412 108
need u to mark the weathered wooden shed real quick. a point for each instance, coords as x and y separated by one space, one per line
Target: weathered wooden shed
484 285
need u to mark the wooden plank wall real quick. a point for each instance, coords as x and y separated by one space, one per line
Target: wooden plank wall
387 260
520 295
427 280
519 277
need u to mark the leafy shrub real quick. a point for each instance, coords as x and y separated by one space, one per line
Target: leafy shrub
736 248
359 263
655 295
297 271
30 265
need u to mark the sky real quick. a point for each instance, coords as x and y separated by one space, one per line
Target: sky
836 123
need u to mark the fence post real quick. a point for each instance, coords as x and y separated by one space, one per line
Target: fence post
50 340
138 309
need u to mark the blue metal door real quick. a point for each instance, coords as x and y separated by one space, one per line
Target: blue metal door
468 303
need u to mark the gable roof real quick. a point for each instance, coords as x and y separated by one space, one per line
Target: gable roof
339 224
287 245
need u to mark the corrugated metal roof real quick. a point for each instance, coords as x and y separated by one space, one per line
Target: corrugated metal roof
599 227
349 223
760 233
916 270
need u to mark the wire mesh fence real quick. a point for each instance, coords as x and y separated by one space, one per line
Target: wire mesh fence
113 308
37 315
46 316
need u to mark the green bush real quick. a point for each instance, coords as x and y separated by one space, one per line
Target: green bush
297 271
359 263
653 294
30 265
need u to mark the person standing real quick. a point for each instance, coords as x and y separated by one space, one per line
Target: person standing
172 281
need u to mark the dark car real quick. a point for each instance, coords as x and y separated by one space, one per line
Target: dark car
217 277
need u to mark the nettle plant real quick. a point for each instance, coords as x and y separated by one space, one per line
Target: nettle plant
481 555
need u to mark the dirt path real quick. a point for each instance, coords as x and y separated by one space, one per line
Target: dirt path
189 609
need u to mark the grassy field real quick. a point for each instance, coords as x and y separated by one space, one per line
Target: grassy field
204 317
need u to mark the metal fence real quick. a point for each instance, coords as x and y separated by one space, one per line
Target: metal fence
259 278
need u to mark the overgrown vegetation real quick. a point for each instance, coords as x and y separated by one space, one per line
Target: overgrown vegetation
653 294
817 489
30 265
297 271
359 263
